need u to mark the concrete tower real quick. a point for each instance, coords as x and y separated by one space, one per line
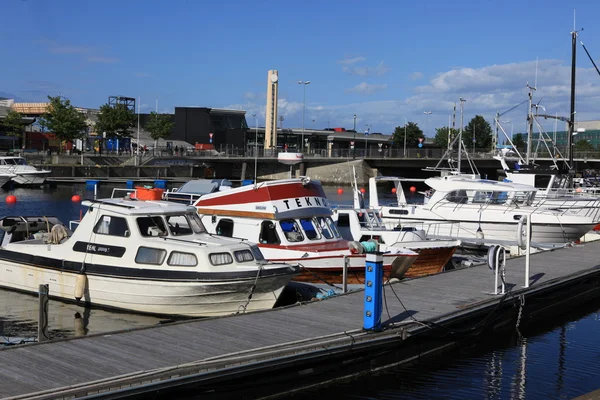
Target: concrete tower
271 112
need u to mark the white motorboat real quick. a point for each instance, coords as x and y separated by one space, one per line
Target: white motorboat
290 219
555 188
481 209
24 174
143 256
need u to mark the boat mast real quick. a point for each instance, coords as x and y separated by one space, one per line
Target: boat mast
572 114
529 123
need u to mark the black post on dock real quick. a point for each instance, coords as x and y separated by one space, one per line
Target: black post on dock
43 313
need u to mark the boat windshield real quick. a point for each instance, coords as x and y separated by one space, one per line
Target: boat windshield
324 228
309 228
291 230
184 224
15 161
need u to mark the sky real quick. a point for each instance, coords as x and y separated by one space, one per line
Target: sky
382 61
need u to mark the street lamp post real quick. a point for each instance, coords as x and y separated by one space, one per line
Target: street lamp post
255 146
354 139
427 113
304 83
367 130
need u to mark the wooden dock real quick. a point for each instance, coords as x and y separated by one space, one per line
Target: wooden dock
303 344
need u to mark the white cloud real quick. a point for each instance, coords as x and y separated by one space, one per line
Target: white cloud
378 70
367 88
249 95
487 90
90 54
353 60
416 76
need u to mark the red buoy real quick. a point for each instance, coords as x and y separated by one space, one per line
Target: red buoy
413 189
393 190
363 190
10 199
340 191
76 198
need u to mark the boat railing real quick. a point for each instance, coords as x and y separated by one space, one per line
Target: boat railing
589 207
181 197
116 192
73 225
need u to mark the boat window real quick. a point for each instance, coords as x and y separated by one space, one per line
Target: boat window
560 182
177 258
178 225
361 218
399 212
324 227
150 255
243 256
258 255
112 226
220 259
333 228
225 228
343 220
268 234
291 230
523 198
151 226
196 223
482 197
542 181
457 196
309 228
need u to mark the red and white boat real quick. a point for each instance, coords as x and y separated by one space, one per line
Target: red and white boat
290 220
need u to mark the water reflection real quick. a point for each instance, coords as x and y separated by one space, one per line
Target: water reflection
19 316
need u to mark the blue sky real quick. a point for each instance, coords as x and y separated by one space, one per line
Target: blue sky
379 60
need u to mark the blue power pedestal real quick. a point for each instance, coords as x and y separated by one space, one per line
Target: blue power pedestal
373 291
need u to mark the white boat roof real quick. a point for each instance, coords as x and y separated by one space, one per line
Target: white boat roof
139 207
203 186
396 178
450 183
11 158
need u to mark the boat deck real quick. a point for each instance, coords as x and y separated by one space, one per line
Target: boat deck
214 347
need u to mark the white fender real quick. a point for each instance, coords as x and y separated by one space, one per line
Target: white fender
80 284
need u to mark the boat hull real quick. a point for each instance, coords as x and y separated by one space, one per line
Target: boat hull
331 269
191 298
32 178
430 261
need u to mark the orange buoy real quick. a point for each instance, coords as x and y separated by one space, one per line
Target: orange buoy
393 190
76 198
413 189
363 190
10 199
340 190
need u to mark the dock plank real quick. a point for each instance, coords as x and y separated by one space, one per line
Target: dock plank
51 365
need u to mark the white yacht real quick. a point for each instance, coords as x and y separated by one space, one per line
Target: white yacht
24 174
555 188
144 256
481 209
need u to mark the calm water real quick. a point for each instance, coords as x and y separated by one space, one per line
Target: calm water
560 361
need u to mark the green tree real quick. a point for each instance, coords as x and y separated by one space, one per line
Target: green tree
441 136
160 126
583 145
62 119
482 131
413 133
519 142
115 121
13 125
